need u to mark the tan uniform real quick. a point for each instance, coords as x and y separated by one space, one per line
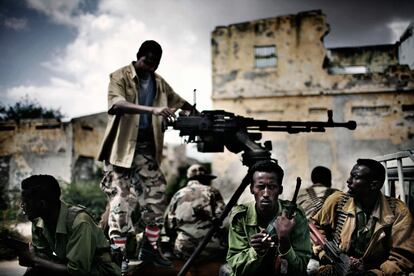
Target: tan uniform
391 247
133 175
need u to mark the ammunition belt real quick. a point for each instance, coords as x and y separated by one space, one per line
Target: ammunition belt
341 216
340 219
316 201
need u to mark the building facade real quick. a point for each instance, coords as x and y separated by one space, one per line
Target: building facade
47 146
279 69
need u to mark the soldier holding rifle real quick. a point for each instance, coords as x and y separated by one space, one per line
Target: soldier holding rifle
375 232
263 238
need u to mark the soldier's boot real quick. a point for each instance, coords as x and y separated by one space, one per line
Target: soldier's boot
148 254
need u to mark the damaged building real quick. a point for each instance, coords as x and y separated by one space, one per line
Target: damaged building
48 146
66 150
279 69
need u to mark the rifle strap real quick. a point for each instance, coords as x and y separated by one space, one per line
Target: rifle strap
340 219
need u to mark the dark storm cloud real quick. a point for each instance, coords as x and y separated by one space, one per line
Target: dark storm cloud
353 22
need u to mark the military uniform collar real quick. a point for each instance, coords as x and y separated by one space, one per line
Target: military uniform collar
61 223
251 214
60 226
133 73
382 211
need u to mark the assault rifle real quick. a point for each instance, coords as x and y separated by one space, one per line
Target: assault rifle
214 130
333 253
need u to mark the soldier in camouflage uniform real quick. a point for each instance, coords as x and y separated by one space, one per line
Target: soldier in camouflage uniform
190 215
139 101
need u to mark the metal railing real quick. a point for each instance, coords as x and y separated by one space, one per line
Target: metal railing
398 157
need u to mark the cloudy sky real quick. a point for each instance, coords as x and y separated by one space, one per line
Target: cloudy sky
60 52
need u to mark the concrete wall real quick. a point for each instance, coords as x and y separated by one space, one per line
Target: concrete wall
406 48
36 147
301 87
88 132
66 150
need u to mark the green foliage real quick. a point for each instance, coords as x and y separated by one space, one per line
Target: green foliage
13 213
86 193
28 109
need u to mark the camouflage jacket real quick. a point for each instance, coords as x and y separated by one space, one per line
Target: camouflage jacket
190 216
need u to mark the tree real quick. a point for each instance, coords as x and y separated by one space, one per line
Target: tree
28 109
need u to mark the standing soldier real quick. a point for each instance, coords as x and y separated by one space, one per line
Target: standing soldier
138 102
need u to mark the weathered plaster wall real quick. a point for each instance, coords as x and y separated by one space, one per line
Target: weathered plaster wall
406 47
88 132
301 87
36 147
375 58
301 59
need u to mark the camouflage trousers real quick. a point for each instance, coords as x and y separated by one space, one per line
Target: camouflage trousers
140 187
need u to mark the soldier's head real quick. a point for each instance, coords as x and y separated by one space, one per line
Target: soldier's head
39 194
321 175
148 56
266 184
195 169
199 173
366 178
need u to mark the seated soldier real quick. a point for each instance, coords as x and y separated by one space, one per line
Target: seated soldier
262 239
374 230
311 199
191 213
65 239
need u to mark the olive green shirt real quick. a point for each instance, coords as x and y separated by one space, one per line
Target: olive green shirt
244 260
120 139
80 244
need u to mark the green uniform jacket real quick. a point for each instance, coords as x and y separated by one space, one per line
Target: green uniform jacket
78 242
244 260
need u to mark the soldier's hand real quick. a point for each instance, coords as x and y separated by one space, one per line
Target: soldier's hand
356 265
166 112
260 243
284 225
326 270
